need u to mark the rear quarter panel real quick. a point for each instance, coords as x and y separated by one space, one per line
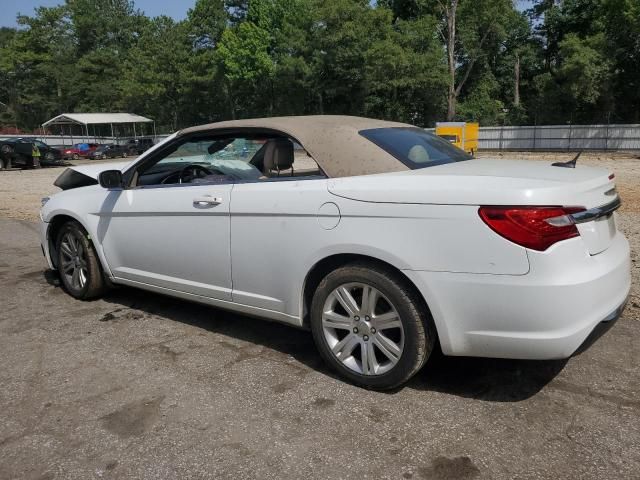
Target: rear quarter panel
277 237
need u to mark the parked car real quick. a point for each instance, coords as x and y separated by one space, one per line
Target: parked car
381 238
18 152
79 150
109 151
137 146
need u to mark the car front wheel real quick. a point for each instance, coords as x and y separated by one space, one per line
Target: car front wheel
78 263
370 326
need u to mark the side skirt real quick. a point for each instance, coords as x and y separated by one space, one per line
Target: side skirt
231 306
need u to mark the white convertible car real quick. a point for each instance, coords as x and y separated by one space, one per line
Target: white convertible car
382 239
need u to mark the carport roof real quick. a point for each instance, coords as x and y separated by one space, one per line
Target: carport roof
95 119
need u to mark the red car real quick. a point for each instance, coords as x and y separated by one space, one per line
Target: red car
79 150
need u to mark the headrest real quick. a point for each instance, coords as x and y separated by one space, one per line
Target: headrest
278 154
418 154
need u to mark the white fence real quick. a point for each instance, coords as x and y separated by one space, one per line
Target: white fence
561 137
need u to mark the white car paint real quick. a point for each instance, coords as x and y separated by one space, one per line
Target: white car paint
253 250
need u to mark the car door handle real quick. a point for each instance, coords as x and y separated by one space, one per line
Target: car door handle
206 201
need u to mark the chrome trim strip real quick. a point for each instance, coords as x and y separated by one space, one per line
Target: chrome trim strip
596 212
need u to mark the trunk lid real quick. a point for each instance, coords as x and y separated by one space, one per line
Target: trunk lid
494 182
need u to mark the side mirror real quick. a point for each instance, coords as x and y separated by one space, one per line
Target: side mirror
111 179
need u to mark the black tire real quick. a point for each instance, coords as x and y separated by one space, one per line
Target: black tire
419 332
94 284
6 149
75 156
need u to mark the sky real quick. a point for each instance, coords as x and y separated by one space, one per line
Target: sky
173 8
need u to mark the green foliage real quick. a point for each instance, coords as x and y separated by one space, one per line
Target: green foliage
570 61
206 22
482 104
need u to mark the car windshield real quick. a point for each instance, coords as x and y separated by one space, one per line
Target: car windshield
415 147
229 156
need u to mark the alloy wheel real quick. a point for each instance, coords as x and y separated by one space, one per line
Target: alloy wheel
74 261
363 329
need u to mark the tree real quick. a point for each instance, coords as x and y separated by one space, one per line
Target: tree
34 64
246 66
152 80
417 61
206 22
405 73
467 26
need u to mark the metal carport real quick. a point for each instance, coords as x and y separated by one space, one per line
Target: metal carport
85 119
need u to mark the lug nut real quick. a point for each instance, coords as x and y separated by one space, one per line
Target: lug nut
356 318
366 318
373 330
366 337
355 329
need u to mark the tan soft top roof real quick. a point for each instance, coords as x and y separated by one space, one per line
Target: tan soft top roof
332 140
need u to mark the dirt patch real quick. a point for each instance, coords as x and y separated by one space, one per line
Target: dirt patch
133 419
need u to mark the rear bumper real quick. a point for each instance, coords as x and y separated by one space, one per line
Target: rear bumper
546 314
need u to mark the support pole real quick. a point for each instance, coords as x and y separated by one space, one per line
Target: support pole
113 137
155 137
135 135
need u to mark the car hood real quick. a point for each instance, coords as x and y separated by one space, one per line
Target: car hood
94 170
84 175
483 182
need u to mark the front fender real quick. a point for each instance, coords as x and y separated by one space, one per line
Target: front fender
78 205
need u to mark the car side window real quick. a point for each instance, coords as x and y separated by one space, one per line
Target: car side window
229 159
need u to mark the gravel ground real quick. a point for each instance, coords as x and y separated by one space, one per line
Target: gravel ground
136 385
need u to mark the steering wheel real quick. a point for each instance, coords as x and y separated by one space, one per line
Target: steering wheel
190 172
193 171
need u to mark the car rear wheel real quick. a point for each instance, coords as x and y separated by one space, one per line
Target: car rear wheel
6 149
49 156
76 156
78 263
370 326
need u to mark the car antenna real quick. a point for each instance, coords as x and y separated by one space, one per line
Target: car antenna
570 164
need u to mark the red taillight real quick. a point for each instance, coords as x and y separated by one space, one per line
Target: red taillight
532 227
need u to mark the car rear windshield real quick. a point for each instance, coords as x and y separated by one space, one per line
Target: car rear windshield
415 147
